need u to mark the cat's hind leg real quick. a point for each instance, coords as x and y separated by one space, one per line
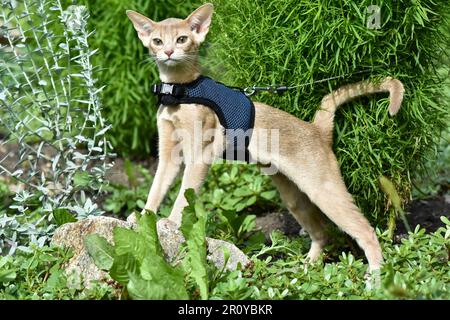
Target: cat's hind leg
329 193
305 212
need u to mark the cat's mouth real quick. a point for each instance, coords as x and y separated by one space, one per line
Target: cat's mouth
171 61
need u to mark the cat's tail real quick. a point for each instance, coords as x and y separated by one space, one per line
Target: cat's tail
324 117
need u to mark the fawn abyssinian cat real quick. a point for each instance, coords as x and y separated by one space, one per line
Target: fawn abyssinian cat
308 175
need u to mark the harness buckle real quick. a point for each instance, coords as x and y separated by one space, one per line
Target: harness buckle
166 88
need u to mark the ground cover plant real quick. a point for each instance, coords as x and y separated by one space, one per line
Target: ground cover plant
284 42
54 149
417 267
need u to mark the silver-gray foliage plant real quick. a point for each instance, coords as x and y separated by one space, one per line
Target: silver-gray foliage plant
50 109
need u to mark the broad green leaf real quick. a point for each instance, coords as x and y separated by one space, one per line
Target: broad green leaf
130 242
62 216
161 288
243 192
147 229
251 201
7 276
193 228
140 204
123 266
189 217
445 220
100 250
269 195
54 280
81 179
4 261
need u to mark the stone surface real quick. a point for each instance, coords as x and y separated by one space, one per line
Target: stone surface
171 239
72 235
216 254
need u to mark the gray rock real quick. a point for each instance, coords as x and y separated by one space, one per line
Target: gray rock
217 257
72 235
171 239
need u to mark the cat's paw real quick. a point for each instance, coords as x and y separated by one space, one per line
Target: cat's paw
168 224
373 279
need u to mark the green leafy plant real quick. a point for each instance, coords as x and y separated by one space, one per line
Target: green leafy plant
38 274
137 260
126 198
234 194
416 268
240 187
193 228
51 111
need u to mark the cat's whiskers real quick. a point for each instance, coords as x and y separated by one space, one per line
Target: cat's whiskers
150 59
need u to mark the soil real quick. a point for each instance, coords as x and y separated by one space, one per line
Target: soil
117 174
425 213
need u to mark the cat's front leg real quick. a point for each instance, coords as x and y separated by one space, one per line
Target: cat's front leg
202 143
167 170
193 177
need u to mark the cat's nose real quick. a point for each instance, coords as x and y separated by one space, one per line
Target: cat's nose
168 52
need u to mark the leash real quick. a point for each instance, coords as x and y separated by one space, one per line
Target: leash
250 91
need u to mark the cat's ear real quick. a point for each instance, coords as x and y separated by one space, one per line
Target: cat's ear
141 23
199 21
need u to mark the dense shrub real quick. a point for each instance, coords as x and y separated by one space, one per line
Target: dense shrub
296 42
50 118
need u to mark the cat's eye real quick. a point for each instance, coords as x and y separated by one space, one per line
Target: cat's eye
157 41
182 39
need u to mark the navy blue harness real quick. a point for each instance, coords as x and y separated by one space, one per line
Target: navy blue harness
234 109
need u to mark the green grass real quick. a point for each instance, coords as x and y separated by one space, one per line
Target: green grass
296 42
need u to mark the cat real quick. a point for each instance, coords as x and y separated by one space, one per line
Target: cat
308 176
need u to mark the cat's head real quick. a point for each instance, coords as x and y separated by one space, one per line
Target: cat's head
173 41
